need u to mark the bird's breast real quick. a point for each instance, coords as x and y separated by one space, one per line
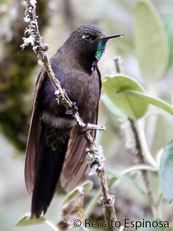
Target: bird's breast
81 88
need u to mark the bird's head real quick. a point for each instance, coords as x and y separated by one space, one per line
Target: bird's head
89 42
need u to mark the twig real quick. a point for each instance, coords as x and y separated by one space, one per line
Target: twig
118 64
141 158
95 152
145 151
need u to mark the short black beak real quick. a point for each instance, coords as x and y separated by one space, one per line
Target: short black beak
106 37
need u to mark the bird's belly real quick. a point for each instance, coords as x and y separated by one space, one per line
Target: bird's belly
57 122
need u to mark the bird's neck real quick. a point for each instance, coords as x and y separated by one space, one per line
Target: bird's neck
77 58
86 61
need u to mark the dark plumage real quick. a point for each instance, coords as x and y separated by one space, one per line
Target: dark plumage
55 152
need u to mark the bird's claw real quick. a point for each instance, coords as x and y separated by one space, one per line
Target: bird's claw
82 133
73 110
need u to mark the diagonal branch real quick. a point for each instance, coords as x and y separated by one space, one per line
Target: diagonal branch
95 153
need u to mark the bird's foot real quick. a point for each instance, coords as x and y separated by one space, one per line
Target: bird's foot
73 110
84 132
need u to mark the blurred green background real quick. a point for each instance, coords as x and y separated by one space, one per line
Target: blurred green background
19 70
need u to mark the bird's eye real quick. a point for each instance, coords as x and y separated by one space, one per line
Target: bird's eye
88 37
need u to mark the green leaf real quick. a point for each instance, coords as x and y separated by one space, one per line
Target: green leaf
169 30
26 221
70 196
166 172
150 41
87 186
128 180
152 224
149 99
84 188
112 107
133 107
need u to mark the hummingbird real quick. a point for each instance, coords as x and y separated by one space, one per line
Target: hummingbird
55 153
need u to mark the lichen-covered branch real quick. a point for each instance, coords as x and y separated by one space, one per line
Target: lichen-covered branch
95 152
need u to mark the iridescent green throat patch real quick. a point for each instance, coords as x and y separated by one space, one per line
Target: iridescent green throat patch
100 49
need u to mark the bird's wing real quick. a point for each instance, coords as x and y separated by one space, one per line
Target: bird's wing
76 160
33 137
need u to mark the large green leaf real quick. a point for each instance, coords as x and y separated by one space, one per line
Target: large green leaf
150 41
132 106
166 172
152 100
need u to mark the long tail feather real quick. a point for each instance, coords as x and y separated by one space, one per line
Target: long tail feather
48 172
